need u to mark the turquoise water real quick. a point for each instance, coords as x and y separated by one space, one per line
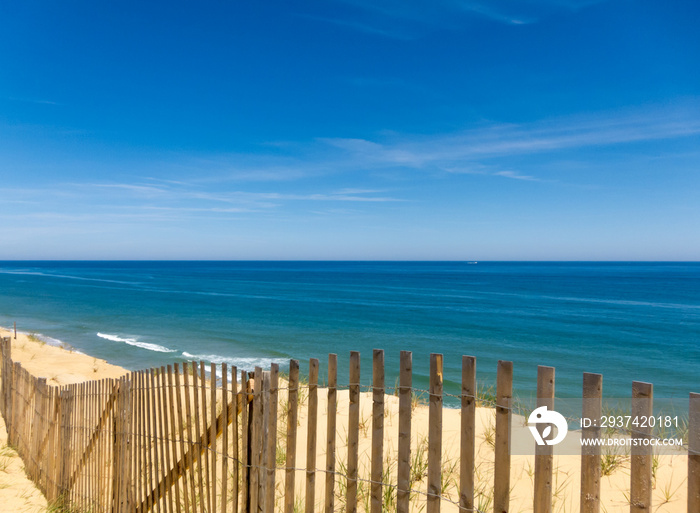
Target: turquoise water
628 321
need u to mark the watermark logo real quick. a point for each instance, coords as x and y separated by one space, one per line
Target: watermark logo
543 416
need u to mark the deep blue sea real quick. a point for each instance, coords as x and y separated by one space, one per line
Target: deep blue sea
628 321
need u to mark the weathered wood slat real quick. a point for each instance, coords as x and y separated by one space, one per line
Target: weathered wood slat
544 454
312 431
245 441
236 405
205 433
641 457
377 471
188 423
353 433
255 440
332 407
292 413
264 449
271 464
504 396
590 454
403 472
435 434
224 438
212 436
694 453
467 434
175 434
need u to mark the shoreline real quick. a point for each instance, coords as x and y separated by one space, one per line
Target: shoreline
59 364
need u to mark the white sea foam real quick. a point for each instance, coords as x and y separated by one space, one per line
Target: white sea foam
50 341
136 343
241 362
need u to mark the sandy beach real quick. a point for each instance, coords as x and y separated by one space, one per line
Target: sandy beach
62 366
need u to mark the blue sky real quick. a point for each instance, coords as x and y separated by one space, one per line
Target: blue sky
348 129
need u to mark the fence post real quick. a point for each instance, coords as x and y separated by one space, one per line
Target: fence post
694 454
263 430
127 445
468 434
590 454
330 429
501 473
544 453
641 459
14 405
377 430
245 442
121 477
403 473
272 439
310 502
235 435
353 431
36 432
6 349
225 415
435 434
291 458
255 439
65 444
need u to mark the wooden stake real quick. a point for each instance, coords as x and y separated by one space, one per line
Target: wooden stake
245 442
467 434
271 463
312 431
377 472
435 434
235 455
205 431
353 432
694 454
641 458
224 437
212 436
293 402
404 464
504 395
330 432
544 454
590 454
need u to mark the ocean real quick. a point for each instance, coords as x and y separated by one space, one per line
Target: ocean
627 321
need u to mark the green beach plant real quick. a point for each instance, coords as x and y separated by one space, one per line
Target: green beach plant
668 492
610 461
485 395
419 462
490 431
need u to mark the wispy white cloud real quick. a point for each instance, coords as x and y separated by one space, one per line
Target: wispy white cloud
138 188
167 202
485 148
469 150
358 171
408 19
38 101
516 176
392 33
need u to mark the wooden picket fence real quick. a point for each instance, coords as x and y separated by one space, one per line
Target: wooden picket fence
206 440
